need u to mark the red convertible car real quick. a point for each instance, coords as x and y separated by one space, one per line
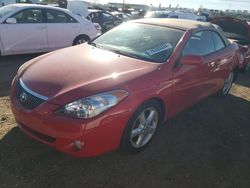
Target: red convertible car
117 89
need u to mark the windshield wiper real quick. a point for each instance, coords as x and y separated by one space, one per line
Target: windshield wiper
99 46
112 50
124 53
119 52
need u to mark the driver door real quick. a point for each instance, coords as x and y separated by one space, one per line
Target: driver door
193 82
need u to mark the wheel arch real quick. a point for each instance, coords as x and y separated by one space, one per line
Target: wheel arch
162 105
160 101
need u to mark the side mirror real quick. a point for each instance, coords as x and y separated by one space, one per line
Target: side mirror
192 60
11 21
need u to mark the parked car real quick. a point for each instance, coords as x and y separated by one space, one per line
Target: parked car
106 20
175 14
206 14
26 28
8 2
237 31
121 15
117 89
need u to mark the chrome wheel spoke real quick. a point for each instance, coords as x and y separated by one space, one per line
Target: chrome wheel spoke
142 119
150 116
136 132
140 140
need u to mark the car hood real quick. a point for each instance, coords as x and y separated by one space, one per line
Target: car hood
80 71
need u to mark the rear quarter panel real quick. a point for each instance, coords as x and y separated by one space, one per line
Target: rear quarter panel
86 27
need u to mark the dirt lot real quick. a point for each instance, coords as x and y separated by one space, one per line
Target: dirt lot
205 146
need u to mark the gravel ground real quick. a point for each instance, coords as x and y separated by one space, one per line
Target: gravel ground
206 146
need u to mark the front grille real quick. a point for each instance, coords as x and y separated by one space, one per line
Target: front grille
26 99
41 136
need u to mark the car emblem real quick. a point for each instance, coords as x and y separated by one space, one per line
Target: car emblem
23 97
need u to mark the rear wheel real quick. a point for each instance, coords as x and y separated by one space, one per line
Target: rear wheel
80 40
227 85
246 68
142 127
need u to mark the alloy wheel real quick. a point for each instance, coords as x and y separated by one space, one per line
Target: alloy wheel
228 83
144 127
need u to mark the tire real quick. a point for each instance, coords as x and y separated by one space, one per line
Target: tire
142 127
227 85
80 40
236 74
245 69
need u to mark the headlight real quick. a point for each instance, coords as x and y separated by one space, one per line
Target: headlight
92 106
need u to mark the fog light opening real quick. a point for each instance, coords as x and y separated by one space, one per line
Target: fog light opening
78 145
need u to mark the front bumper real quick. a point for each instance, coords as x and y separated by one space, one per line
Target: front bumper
95 136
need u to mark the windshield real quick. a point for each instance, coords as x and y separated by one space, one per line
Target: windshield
6 10
142 41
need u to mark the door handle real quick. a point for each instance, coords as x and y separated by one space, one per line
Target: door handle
212 64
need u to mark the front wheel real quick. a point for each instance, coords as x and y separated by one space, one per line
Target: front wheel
142 127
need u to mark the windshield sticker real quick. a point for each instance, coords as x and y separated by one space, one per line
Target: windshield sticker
159 49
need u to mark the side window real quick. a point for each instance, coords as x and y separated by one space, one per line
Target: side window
200 43
71 20
29 16
218 42
93 17
55 16
23 1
